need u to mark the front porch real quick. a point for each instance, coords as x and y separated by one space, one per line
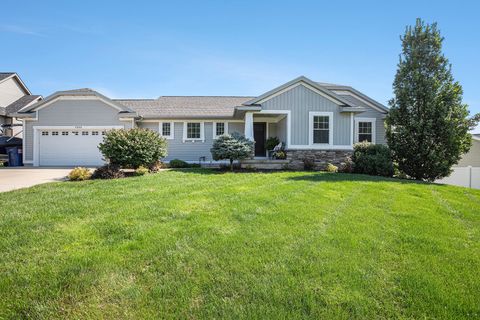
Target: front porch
265 124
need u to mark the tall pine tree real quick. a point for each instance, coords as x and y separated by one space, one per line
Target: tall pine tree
427 126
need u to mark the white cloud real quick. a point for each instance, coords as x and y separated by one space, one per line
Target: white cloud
21 30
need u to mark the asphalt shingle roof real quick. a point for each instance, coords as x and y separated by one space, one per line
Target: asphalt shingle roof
4 75
20 103
185 107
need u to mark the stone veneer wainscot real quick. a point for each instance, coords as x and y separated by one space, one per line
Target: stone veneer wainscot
321 158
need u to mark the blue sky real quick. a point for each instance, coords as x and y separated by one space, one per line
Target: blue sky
144 49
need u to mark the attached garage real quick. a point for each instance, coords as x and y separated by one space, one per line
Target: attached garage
66 128
66 146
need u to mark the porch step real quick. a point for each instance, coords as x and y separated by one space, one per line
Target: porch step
264 164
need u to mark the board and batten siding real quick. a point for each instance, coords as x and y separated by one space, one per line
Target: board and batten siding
71 113
379 124
189 150
301 100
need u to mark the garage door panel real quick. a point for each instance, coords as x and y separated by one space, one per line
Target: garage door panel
70 148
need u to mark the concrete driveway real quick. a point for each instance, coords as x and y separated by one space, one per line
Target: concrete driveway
22 177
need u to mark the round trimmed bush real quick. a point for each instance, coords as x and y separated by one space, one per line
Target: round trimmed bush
133 148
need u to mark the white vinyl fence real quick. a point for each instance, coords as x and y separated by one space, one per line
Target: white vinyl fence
463 176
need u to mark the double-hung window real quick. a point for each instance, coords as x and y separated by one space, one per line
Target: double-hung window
166 129
365 129
321 128
219 128
193 131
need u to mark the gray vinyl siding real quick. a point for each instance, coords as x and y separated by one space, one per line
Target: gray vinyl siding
149 125
188 150
282 130
379 124
72 113
238 127
301 100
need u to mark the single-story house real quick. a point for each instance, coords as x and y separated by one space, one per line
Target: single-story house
312 119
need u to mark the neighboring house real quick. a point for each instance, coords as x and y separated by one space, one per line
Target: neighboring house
467 172
14 95
472 157
317 120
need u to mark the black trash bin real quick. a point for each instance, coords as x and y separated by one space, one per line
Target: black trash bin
15 158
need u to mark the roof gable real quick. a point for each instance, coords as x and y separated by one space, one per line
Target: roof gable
84 93
345 91
296 82
4 76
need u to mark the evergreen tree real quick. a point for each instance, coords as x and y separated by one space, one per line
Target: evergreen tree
427 126
231 147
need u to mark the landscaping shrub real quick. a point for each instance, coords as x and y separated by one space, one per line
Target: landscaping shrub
372 159
280 155
271 143
108 171
177 163
141 171
133 148
332 168
155 167
347 166
79 174
231 147
308 164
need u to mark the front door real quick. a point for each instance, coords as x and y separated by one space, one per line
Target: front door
260 135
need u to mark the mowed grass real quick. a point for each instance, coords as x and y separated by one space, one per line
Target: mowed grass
199 244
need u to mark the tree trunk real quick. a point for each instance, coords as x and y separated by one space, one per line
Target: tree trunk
231 165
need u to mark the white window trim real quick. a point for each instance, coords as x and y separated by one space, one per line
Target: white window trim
312 114
160 130
372 120
202 132
215 128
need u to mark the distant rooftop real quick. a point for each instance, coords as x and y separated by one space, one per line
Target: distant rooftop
4 75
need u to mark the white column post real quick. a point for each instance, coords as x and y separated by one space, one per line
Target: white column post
249 125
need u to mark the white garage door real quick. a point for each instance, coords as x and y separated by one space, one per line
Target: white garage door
70 147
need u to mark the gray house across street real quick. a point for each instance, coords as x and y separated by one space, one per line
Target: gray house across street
317 120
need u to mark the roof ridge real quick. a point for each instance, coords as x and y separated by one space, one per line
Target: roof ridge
208 96
134 99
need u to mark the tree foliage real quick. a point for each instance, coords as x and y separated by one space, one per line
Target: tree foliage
231 147
372 159
133 148
427 126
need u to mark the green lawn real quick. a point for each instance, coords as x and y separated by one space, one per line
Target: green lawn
200 244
